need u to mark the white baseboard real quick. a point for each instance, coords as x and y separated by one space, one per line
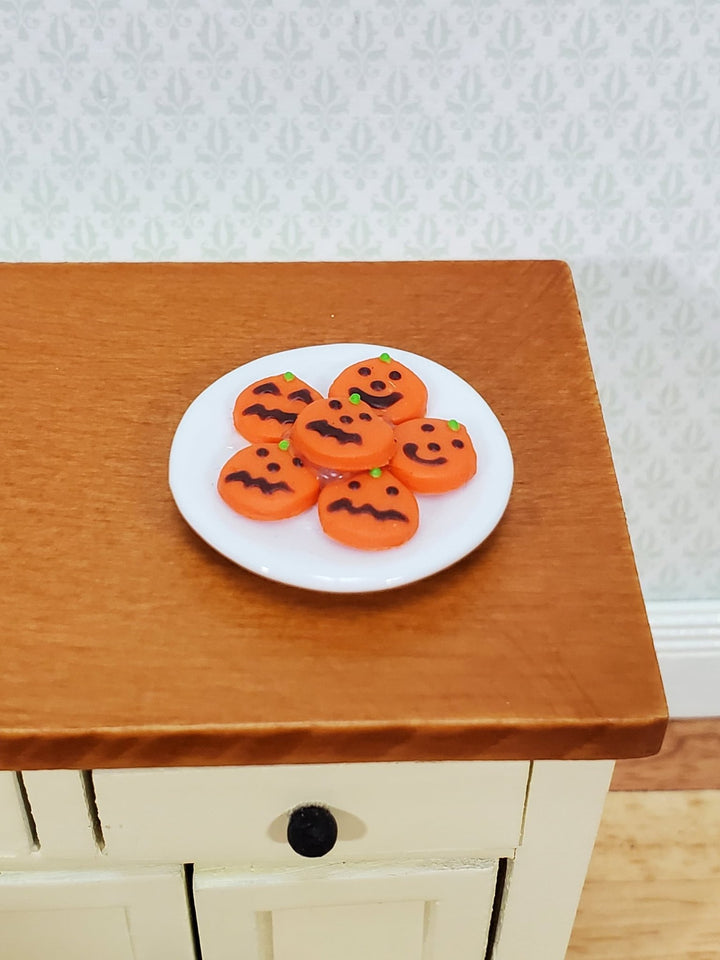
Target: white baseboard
687 641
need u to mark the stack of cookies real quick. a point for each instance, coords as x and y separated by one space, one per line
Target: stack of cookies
362 454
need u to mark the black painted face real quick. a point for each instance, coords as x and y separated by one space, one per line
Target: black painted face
431 452
371 510
342 434
380 394
266 409
375 495
432 455
342 422
385 385
262 472
338 424
286 395
267 482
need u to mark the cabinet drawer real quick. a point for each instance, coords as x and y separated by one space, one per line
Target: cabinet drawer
240 815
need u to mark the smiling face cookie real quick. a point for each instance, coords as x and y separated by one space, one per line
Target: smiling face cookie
266 410
370 511
342 435
433 456
268 482
385 385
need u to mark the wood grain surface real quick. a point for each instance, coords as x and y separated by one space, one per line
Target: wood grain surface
689 760
129 642
653 888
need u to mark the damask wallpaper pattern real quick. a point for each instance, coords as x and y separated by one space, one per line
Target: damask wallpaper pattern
321 129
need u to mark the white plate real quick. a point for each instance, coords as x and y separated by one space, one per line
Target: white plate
296 551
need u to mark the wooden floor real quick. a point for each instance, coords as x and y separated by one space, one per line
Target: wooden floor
689 760
653 889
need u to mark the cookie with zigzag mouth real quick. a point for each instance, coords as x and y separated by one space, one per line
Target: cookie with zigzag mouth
342 435
386 386
370 511
265 411
268 482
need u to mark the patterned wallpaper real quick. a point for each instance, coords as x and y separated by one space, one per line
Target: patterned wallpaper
321 129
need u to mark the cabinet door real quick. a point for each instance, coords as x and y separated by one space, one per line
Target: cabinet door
113 915
384 913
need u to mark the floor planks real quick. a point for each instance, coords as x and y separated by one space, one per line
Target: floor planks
689 760
653 889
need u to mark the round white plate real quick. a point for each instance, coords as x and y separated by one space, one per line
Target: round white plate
296 551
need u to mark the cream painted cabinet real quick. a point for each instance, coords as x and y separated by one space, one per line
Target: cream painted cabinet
79 913
61 898
399 861
15 835
376 913
408 871
384 811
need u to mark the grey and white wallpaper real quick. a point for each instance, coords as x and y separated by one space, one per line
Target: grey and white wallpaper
324 129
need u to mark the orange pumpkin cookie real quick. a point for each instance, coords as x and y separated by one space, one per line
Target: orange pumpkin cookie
433 456
385 385
266 409
371 511
268 482
342 435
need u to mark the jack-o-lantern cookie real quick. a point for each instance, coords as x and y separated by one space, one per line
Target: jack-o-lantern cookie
370 511
433 456
342 435
268 482
266 410
385 385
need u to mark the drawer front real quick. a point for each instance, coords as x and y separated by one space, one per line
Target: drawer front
222 815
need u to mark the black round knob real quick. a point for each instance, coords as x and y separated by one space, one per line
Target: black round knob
312 830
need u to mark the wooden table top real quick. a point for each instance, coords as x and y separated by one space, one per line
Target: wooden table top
127 641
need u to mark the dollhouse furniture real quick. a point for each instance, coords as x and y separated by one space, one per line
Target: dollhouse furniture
198 762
